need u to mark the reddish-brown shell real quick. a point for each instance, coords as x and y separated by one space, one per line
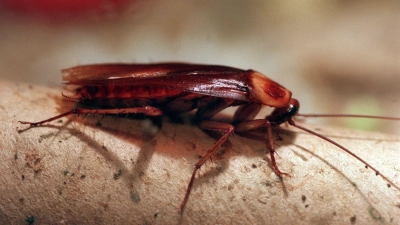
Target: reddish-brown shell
217 81
267 91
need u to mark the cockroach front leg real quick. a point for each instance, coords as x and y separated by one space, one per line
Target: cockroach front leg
225 128
147 110
250 125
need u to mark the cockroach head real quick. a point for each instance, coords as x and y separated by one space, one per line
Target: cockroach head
267 91
283 114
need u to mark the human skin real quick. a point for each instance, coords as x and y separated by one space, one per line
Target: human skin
126 171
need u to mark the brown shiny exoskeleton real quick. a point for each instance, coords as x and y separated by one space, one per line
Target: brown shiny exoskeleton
177 88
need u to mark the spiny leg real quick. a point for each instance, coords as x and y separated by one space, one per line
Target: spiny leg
147 110
225 128
272 150
250 125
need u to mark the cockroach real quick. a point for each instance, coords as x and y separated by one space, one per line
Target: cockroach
177 88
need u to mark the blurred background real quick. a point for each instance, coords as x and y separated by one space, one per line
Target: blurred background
336 56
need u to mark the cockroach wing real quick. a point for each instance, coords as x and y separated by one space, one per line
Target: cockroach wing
218 81
127 74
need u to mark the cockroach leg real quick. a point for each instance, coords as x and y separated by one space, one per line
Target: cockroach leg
225 128
147 110
84 116
250 125
34 124
272 150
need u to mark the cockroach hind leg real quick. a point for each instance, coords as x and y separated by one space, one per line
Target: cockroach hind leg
34 124
147 110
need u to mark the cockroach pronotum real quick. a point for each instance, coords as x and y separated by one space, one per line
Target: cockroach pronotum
177 88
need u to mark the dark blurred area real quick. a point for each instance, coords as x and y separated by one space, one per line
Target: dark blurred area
335 56
53 9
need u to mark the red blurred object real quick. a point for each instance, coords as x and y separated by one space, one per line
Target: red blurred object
63 6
